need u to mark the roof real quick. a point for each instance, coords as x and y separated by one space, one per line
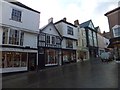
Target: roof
116 9
48 25
15 2
85 24
65 22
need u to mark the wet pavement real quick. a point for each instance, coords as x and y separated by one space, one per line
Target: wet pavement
88 74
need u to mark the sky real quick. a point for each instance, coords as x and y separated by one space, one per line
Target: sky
83 10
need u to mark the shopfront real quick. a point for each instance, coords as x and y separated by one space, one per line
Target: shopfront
13 61
52 57
69 56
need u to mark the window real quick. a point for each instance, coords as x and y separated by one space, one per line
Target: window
51 57
90 38
58 41
70 30
16 15
76 43
42 37
116 32
14 37
53 40
5 36
21 38
14 59
11 36
95 39
69 43
48 39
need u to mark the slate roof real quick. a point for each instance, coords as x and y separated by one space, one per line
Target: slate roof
65 22
116 9
85 24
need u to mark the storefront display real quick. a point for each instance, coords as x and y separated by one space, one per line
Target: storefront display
69 56
14 59
52 57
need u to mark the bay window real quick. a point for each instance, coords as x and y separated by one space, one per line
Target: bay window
12 36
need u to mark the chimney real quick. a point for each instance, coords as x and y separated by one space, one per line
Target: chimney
76 22
64 19
50 20
104 32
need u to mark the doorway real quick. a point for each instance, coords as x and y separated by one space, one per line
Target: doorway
32 61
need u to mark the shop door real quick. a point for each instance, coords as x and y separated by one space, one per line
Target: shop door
41 61
32 61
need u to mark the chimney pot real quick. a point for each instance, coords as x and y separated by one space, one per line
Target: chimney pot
64 19
76 22
50 20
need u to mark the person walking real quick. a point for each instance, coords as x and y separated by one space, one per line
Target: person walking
81 57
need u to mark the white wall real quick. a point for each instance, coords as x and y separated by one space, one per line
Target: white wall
74 36
30 19
1 32
106 41
0 12
30 39
52 31
62 27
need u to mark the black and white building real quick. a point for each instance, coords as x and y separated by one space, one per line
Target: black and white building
49 46
91 37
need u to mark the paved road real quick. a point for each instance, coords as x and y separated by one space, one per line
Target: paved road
89 74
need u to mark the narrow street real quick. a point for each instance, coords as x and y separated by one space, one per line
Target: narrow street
88 74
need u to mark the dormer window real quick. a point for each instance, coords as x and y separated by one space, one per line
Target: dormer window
70 30
116 32
16 15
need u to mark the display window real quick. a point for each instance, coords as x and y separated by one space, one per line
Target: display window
52 56
14 59
69 56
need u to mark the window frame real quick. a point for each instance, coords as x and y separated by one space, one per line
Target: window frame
16 15
70 30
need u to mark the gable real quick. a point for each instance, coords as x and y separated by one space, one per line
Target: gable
91 25
50 29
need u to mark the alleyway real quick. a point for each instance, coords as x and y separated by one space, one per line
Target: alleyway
88 74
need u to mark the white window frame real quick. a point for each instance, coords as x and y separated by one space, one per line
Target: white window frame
115 27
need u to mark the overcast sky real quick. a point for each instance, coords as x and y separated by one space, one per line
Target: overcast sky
83 10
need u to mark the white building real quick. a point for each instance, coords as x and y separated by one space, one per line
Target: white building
82 49
102 42
69 41
19 28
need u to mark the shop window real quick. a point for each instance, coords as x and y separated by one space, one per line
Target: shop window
69 56
52 56
14 59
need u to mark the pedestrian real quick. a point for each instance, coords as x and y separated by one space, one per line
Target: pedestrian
81 57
